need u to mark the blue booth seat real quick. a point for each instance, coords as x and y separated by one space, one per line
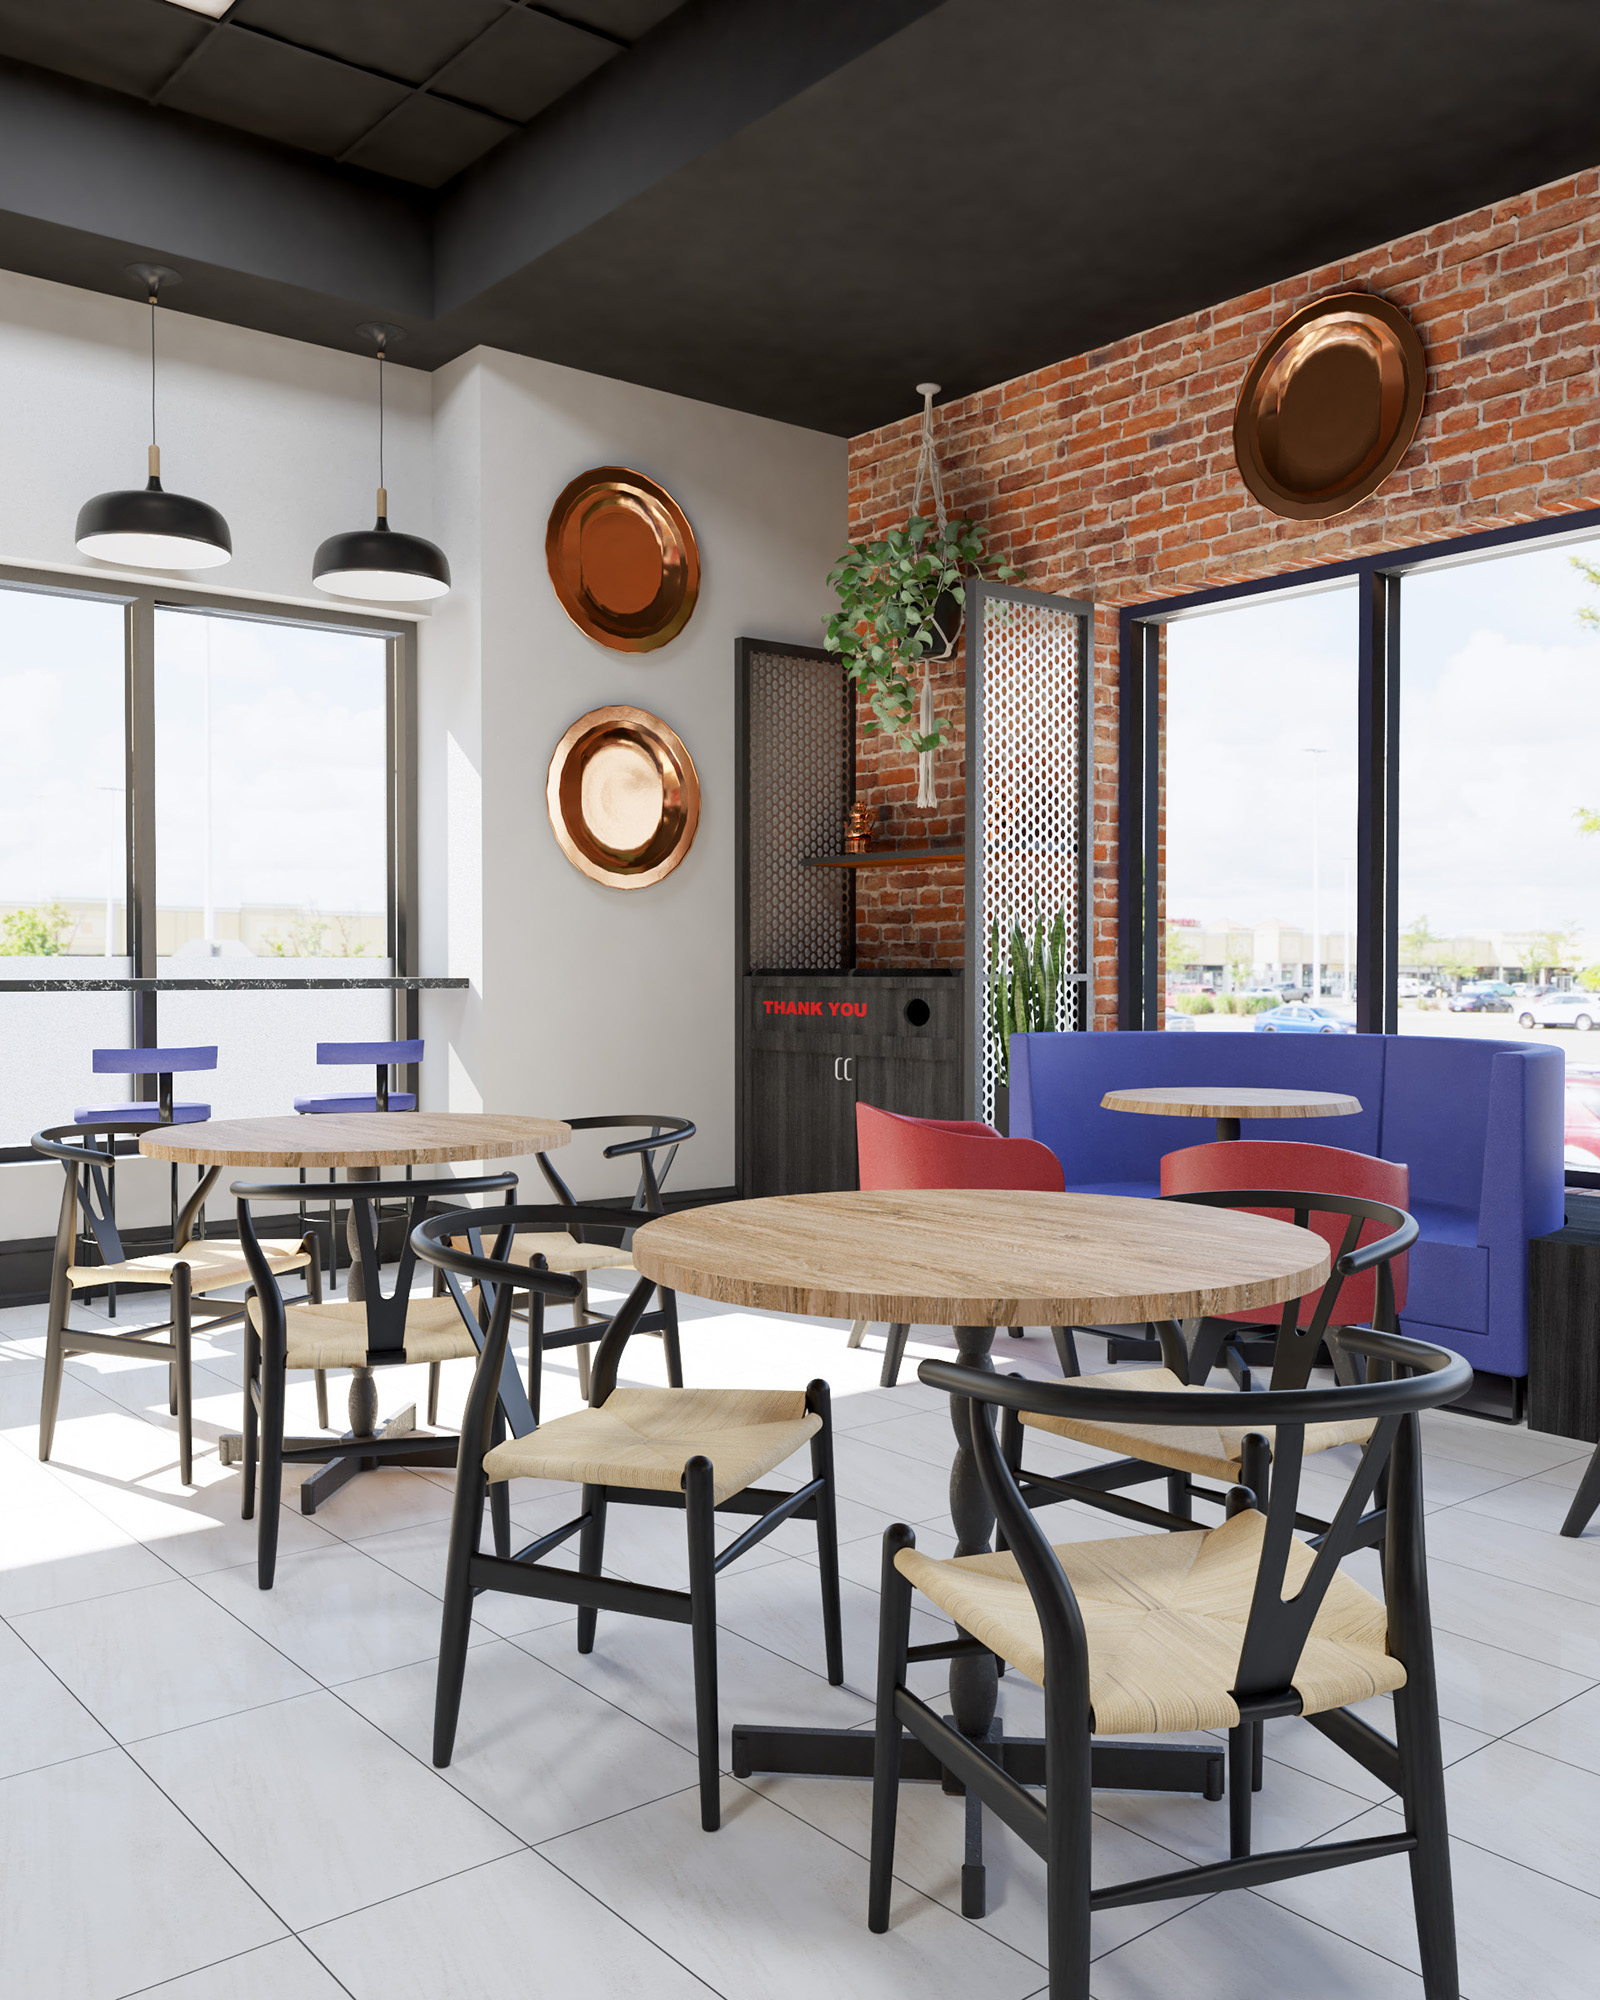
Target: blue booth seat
1479 1124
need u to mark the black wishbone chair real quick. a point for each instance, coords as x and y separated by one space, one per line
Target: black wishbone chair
89 1153
1209 1447
606 1246
1151 1633
695 1449
375 1331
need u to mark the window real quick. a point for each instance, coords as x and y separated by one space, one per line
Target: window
63 847
1261 808
1499 720
271 794
272 835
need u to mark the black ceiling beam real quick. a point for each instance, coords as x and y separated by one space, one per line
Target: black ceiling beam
109 169
706 73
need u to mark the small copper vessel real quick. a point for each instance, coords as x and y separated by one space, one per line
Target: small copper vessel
858 829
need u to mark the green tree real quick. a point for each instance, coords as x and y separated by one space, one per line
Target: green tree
1418 944
35 933
1551 948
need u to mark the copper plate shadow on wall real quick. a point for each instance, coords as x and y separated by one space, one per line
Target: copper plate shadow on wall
623 559
1329 406
624 797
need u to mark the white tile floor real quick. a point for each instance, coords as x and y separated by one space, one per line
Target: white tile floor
215 1794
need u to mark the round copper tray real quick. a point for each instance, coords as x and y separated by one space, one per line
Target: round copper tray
624 797
1329 406
623 559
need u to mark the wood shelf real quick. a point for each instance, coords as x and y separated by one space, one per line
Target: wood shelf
893 857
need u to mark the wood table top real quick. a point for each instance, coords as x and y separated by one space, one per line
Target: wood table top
1232 1101
356 1139
980 1257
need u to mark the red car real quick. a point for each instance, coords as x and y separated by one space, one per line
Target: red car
1582 1130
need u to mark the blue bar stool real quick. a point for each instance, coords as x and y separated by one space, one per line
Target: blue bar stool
347 1055
163 1065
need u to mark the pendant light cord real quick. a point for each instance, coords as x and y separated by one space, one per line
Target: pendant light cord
382 484
152 365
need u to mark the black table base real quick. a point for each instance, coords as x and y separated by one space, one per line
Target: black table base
974 1696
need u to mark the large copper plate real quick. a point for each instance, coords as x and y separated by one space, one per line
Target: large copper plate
623 559
1329 406
624 797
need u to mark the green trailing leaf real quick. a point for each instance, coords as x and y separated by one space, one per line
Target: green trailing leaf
887 590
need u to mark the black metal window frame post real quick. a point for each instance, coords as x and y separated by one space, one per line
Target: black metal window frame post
1379 580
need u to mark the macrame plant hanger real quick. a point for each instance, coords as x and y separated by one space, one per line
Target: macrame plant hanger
927 475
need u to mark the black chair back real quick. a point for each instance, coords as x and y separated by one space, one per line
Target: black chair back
386 1313
663 1132
1420 1377
499 1280
1300 1336
89 1154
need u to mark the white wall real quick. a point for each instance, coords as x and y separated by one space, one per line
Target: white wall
582 998
279 435
597 999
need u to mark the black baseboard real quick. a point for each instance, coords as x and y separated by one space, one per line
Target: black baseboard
1500 1399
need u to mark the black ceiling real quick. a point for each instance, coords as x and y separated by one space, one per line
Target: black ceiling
795 207
415 89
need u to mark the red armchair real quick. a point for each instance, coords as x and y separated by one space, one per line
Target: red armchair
896 1152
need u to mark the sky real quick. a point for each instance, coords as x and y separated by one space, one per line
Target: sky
297 758
1499 749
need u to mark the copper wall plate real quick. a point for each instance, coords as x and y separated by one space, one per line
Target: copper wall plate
1329 406
624 797
623 559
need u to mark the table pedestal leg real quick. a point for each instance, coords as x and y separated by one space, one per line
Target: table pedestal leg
1227 1128
363 1400
975 1682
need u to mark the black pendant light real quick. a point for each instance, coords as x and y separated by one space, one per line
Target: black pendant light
147 527
376 563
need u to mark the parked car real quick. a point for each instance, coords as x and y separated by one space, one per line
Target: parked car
1582 1128
1178 1022
1562 1010
1300 1018
1484 999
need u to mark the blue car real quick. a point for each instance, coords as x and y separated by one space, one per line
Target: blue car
1300 1017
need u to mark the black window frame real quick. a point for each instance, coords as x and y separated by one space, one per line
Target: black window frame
140 602
1379 578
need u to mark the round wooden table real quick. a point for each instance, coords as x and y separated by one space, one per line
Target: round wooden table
1228 1103
975 1260
362 1143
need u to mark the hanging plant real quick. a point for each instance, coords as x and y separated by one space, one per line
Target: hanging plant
1027 985
900 602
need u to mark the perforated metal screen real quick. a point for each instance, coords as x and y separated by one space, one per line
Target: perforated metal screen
800 781
1028 761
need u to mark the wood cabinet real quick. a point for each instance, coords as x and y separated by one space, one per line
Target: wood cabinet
815 1044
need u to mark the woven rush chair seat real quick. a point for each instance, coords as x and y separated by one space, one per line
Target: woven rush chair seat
1211 1452
1165 1617
562 1252
211 1266
645 1437
334 1334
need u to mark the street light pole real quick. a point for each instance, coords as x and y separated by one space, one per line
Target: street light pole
1316 872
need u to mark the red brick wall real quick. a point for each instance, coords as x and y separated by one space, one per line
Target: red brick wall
1111 475
914 916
